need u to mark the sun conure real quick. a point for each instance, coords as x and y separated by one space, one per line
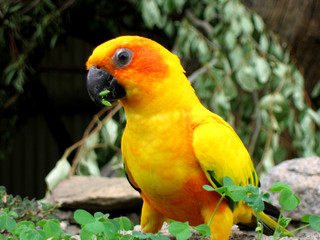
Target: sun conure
172 145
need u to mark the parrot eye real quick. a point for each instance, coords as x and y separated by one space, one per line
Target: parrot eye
122 57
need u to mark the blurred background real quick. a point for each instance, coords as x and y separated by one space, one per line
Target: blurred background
255 63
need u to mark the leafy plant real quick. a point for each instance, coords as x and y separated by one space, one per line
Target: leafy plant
99 226
245 74
25 209
255 198
26 25
183 230
28 219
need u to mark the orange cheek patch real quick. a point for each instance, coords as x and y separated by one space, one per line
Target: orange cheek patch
145 68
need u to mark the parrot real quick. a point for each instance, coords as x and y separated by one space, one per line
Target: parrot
172 145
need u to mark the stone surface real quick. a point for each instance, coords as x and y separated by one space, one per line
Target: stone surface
303 176
96 194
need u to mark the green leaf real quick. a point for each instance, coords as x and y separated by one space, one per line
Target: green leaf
95 227
262 69
109 229
258 22
316 90
83 217
208 188
236 56
139 235
87 235
210 12
246 24
180 230
98 215
235 27
53 40
125 223
298 98
13 214
288 200
230 40
21 226
7 222
306 218
32 234
264 43
238 195
252 189
60 172
284 222
255 202
203 229
227 181
104 93
315 222
105 102
229 10
156 237
110 132
126 237
314 115
246 78
222 190
151 13
52 228
278 186
265 195
115 223
276 50
230 88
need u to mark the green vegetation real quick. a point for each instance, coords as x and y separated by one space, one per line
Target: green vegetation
252 196
38 221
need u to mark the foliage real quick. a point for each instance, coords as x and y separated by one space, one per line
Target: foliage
25 27
254 198
21 218
97 226
245 75
27 24
25 209
100 226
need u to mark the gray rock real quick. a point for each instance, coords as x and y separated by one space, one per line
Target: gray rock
96 194
303 176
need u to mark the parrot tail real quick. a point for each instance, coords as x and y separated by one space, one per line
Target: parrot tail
269 224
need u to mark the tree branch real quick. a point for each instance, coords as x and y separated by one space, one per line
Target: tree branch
87 135
201 70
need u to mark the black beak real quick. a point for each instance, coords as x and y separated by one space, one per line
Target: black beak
99 80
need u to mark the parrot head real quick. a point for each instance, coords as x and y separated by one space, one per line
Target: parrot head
132 69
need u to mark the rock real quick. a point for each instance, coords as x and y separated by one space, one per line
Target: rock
97 194
303 176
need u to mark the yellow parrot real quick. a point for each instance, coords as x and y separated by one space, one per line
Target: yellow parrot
172 145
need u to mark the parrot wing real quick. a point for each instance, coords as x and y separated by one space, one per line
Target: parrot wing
130 178
220 153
